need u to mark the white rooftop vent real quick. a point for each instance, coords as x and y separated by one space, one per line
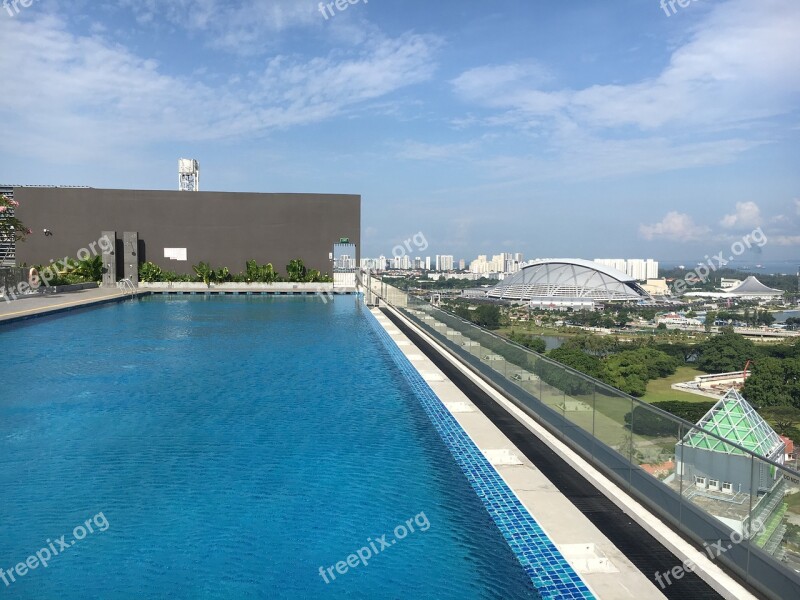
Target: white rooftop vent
188 175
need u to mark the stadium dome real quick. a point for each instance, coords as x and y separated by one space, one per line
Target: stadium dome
568 278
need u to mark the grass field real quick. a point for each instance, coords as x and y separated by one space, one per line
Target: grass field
536 330
658 390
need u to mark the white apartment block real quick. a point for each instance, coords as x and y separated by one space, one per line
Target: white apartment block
444 262
638 268
500 263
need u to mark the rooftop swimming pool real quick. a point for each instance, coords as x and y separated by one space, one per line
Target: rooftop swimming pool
234 447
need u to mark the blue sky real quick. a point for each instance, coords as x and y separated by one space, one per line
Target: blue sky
577 128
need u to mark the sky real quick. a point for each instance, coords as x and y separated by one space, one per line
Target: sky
614 129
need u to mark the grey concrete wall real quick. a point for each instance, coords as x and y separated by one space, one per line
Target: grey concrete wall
225 229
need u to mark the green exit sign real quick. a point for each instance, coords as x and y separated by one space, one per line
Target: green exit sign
344 240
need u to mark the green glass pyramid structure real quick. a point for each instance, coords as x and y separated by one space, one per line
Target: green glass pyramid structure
733 419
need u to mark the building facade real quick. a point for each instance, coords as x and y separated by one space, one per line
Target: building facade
177 230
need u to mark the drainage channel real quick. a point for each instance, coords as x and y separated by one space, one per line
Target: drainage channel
642 549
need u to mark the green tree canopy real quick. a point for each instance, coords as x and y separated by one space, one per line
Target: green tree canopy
487 315
774 382
534 343
580 361
726 352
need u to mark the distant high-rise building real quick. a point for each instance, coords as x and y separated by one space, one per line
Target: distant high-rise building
462 265
483 266
427 263
444 262
345 262
402 263
639 269
652 269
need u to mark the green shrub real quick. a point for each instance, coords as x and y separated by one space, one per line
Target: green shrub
150 272
256 273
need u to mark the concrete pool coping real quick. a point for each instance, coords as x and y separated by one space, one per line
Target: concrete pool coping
566 526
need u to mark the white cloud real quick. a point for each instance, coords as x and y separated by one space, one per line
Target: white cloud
509 86
785 240
797 206
245 26
747 215
79 98
739 68
674 226
741 63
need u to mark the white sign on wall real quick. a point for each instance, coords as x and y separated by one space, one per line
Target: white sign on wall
175 253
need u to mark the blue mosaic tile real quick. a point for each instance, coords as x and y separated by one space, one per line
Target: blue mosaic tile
545 565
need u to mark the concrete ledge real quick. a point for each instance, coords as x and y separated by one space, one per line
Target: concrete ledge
41 305
44 290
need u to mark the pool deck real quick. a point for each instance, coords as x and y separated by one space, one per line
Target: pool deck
604 568
41 305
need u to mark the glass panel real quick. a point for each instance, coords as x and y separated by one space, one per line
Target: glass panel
553 378
655 436
787 536
772 526
610 426
579 409
524 375
579 402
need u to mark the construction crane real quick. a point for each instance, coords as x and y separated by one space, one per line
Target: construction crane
744 373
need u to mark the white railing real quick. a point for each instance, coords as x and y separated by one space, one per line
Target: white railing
126 285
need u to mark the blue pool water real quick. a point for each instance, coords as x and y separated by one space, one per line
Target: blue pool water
233 446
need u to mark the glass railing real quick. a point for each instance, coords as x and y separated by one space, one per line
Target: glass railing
743 508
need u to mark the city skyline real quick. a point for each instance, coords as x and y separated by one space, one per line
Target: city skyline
582 130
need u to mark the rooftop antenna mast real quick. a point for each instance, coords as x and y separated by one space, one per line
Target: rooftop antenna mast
188 175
